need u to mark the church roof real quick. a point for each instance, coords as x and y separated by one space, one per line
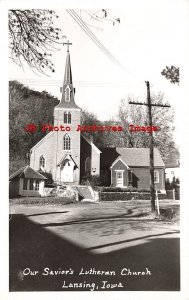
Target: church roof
66 157
68 84
27 172
133 157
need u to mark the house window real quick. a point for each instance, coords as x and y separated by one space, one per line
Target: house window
69 118
67 142
31 184
119 178
130 177
67 94
119 175
25 184
156 176
37 185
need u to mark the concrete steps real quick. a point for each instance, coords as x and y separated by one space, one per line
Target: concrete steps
85 192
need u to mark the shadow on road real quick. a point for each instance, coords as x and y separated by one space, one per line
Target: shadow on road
35 247
49 213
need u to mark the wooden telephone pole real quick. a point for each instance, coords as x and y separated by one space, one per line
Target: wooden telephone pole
149 104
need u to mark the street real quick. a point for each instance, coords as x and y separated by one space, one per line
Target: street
82 244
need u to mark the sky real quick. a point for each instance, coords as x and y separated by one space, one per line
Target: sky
147 39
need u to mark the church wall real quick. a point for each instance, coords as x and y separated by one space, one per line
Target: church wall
47 148
85 152
75 140
95 162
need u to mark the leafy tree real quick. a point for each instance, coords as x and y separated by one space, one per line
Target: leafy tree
88 118
171 73
48 175
26 107
32 38
94 180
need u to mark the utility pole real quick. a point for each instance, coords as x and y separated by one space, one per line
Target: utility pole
149 104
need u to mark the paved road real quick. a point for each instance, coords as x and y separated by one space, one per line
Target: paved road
105 236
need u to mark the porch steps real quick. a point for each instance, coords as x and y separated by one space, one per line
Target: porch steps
84 192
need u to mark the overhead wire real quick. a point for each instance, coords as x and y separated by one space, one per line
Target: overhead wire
92 36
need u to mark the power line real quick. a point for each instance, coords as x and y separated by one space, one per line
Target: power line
91 35
79 83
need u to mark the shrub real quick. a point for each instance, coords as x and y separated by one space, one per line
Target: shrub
118 189
94 180
48 175
123 196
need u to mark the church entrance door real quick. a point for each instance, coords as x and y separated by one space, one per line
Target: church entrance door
67 171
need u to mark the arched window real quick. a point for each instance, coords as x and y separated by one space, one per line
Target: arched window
88 166
41 162
67 142
69 118
67 93
65 117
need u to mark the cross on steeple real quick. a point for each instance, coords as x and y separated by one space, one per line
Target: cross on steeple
68 43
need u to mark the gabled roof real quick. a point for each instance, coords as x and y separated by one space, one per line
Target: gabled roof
91 143
140 157
133 157
27 172
64 158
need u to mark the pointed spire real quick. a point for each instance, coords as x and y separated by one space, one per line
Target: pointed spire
68 71
68 90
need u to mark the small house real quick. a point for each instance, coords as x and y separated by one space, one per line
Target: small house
26 182
130 167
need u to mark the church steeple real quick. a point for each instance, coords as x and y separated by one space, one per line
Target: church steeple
68 91
68 71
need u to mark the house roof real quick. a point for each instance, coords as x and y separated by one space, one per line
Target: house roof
140 157
27 172
133 157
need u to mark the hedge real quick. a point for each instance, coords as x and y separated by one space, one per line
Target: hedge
121 196
40 201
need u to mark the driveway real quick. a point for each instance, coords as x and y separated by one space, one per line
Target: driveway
102 246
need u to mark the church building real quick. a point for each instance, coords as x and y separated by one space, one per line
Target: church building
69 155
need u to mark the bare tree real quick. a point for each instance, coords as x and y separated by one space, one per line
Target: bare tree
137 115
32 38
